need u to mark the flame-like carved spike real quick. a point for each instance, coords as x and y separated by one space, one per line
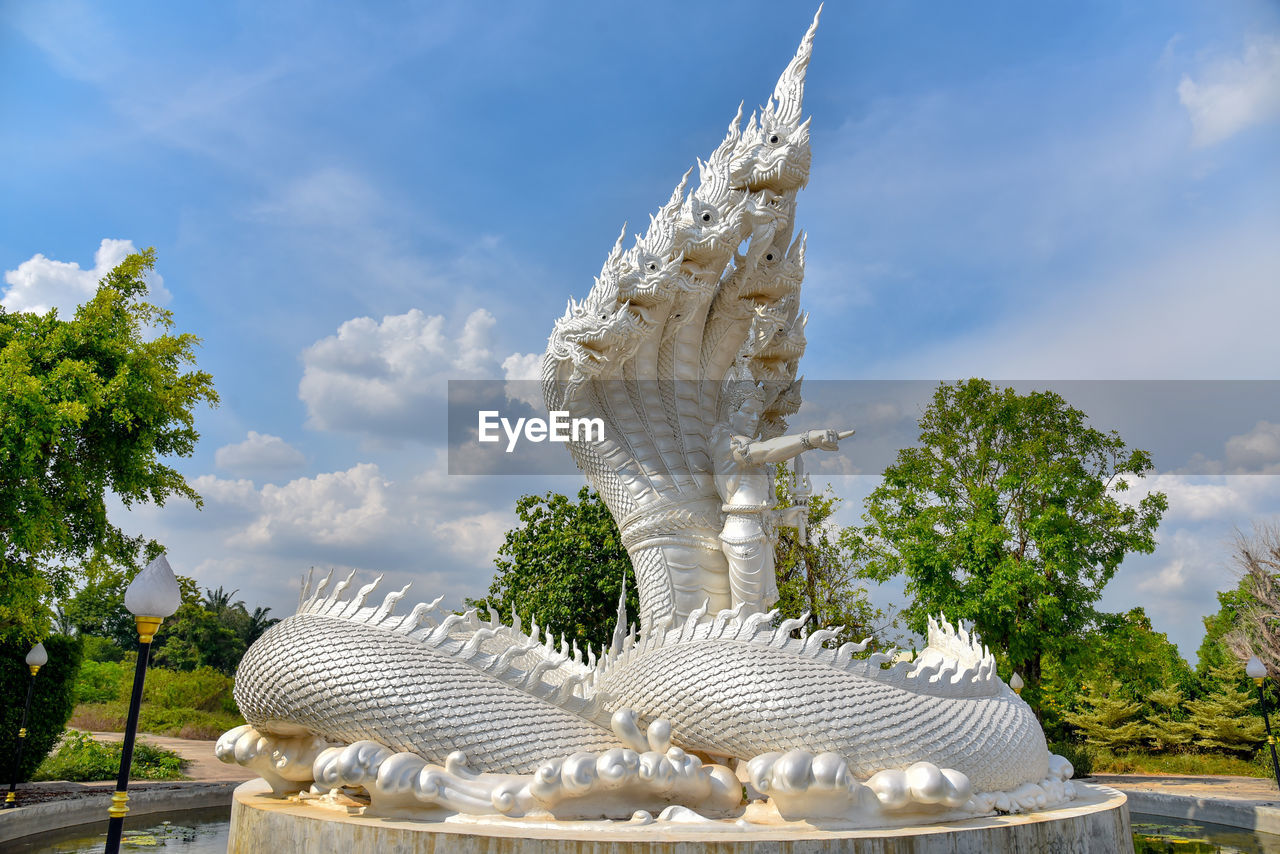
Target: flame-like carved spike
788 95
341 586
306 587
389 604
322 585
535 675
473 643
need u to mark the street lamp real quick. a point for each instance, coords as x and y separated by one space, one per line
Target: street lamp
36 659
1257 671
150 597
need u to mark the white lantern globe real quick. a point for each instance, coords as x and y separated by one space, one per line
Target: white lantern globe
1255 668
38 657
154 592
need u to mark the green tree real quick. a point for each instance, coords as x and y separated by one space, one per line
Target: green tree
1123 646
564 566
1165 730
820 578
90 406
1006 515
1223 629
1224 719
1107 718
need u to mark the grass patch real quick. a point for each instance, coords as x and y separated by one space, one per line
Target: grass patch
183 703
1194 764
179 722
80 759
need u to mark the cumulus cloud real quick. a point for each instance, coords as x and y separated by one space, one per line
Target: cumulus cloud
522 372
1254 452
1234 93
360 516
40 284
388 377
335 508
259 453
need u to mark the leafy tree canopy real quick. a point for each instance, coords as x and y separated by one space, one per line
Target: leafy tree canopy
208 630
89 406
1007 515
564 566
820 577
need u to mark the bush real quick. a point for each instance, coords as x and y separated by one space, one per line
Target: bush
79 758
101 649
203 689
104 681
51 702
1077 754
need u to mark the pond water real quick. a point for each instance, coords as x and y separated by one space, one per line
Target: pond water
204 831
207 831
1158 834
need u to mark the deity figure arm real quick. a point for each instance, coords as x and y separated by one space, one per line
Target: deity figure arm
784 448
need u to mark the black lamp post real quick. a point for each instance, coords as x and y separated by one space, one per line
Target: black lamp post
1257 671
36 659
150 597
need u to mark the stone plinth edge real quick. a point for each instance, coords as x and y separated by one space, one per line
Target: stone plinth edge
1097 822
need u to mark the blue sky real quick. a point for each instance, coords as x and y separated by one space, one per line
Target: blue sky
353 205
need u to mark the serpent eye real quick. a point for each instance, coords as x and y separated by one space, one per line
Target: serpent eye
706 216
774 139
652 266
768 256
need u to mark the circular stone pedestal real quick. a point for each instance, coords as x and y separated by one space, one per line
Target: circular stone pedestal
1096 822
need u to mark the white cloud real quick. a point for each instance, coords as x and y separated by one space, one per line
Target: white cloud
1234 93
388 377
1231 500
259 452
41 283
523 372
335 508
1255 451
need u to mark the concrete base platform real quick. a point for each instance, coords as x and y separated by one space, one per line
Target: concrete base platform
1097 822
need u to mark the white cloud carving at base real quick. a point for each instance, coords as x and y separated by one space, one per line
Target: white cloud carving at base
41 283
1234 94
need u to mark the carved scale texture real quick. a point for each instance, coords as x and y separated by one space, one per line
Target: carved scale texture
731 685
763 699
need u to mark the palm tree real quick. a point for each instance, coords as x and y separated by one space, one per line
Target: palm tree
258 623
219 601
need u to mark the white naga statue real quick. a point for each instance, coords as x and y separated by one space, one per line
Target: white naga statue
687 348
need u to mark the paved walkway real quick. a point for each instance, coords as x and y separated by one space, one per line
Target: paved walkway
1254 790
202 764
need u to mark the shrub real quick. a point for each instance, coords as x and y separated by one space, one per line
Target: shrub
51 701
1077 754
79 758
101 649
203 689
103 681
